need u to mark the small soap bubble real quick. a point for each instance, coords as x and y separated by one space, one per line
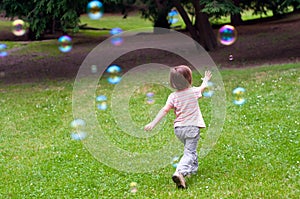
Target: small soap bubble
175 161
78 135
238 94
114 74
18 27
116 41
94 69
227 35
95 10
116 31
65 43
209 90
2 74
116 38
102 104
101 98
78 123
230 57
133 187
3 52
173 16
150 98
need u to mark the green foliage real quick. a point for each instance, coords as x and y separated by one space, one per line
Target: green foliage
218 8
278 7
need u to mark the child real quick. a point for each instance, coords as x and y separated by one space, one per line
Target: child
188 120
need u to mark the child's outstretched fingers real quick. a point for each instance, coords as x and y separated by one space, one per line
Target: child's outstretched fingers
148 127
208 75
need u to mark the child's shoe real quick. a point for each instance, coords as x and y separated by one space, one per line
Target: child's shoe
179 180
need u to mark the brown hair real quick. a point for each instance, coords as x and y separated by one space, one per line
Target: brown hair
180 77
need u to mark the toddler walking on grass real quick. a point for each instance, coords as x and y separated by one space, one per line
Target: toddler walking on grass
188 119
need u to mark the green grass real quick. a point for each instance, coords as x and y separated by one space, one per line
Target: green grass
133 21
256 156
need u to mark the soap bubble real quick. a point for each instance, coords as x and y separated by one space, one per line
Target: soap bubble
94 69
173 16
78 135
227 35
116 41
102 105
230 57
2 74
175 161
65 43
133 187
18 27
95 10
209 90
150 99
116 38
3 52
78 123
238 94
115 31
114 74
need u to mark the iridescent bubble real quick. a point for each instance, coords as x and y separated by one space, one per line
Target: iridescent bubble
238 94
78 135
94 69
95 10
173 16
114 74
3 52
209 90
150 99
101 99
2 74
116 41
230 57
18 27
227 35
78 123
65 43
116 31
175 161
133 187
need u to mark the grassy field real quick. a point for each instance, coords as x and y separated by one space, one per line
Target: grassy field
256 156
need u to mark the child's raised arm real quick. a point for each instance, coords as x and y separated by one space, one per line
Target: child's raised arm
206 78
158 117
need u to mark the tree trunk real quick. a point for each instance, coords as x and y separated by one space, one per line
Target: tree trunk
202 31
204 28
161 21
296 6
192 30
236 19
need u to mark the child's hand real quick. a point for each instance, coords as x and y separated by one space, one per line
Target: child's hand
208 75
149 127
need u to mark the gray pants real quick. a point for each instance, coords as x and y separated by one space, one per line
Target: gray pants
189 136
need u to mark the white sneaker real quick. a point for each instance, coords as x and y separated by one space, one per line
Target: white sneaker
179 180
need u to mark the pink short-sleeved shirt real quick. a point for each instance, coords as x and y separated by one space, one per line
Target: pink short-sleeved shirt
186 107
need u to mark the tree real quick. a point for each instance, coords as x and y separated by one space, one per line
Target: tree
278 7
46 15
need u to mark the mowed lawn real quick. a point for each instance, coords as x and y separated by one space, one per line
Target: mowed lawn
256 156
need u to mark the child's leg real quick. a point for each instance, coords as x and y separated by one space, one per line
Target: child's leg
189 162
